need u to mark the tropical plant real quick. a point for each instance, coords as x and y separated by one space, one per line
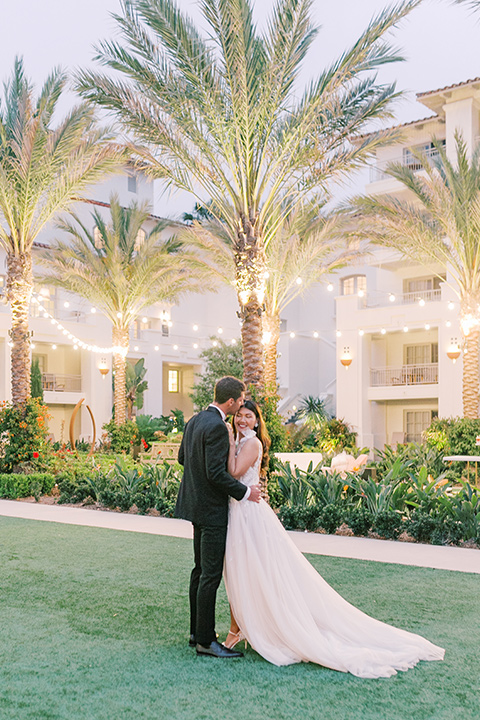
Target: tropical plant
224 120
45 166
439 224
135 385
120 268
312 411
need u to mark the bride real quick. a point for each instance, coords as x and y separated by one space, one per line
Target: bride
279 603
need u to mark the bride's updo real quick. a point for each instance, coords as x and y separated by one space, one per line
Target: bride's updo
260 430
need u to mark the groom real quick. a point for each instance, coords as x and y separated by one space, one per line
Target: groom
203 499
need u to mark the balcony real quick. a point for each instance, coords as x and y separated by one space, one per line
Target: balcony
378 172
410 298
53 382
404 375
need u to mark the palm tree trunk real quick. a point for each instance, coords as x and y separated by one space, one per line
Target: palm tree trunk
120 339
470 375
250 281
19 292
271 331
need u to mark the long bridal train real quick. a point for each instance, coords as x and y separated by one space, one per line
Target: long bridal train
290 614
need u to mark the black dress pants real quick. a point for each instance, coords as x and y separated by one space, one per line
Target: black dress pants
209 552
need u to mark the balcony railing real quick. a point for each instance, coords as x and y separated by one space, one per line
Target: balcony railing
53 382
410 298
404 375
378 171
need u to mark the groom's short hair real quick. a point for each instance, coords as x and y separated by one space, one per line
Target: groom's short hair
228 387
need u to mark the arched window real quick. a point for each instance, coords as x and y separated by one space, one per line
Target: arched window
354 284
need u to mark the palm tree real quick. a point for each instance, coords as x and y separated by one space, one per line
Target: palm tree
43 168
121 269
439 225
305 248
223 118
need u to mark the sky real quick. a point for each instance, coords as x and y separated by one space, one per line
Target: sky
440 41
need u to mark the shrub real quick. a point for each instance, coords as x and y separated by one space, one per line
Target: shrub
389 524
121 437
359 520
331 517
18 485
299 518
334 436
421 526
23 436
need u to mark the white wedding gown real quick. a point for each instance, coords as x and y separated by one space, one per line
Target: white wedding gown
290 614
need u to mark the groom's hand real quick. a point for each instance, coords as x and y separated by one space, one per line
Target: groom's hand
255 493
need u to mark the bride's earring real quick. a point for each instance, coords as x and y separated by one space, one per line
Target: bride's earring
256 425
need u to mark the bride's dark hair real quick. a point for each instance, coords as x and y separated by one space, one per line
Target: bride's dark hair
260 430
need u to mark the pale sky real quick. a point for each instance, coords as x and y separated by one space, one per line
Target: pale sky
441 41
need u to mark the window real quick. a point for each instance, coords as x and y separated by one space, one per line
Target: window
132 184
354 284
173 381
98 238
421 354
415 422
423 284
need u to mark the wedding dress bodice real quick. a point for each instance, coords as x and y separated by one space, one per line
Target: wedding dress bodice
251 476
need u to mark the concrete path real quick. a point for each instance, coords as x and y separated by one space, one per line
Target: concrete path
433 556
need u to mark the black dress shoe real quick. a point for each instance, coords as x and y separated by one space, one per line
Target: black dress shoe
192 642
216 649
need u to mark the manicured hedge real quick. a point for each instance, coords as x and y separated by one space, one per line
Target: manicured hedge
17 485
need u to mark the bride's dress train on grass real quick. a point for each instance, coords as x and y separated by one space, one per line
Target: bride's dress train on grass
290 614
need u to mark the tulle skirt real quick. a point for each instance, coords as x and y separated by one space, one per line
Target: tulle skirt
290 614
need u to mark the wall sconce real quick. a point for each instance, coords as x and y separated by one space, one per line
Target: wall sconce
453 351
103 368
346 358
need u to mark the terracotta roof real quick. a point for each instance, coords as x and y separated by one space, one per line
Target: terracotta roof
448 87
107 205
395 127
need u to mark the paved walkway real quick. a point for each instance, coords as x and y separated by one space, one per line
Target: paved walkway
433 556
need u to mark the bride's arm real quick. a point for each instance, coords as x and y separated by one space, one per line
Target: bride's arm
238 466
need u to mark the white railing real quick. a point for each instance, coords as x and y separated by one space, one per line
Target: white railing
404 375
53 382
379 171
410 298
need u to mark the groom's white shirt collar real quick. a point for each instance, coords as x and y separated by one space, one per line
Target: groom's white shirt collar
224 417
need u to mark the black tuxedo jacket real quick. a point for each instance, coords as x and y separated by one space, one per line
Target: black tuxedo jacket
206 484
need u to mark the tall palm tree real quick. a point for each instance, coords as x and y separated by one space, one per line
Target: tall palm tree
223 118
307 246
121 269
44 167
439 224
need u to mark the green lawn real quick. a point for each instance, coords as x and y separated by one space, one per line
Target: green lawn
94 626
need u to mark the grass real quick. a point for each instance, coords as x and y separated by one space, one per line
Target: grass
93 626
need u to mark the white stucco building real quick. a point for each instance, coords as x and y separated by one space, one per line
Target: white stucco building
398 331
392 319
